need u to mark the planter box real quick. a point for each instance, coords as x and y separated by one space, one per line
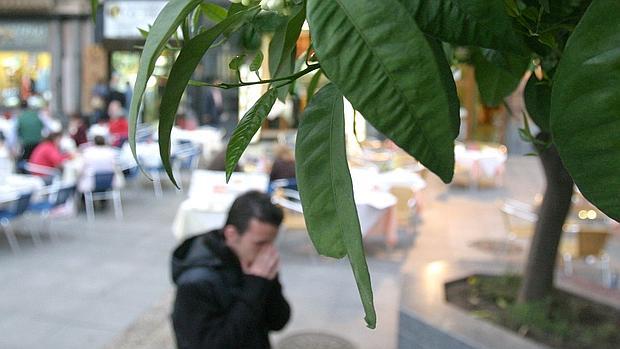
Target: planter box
428 321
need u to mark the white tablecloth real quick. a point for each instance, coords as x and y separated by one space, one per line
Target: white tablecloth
208 138
209 199
489 160
12 186
372 191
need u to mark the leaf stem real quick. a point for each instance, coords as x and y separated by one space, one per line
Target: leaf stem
288 79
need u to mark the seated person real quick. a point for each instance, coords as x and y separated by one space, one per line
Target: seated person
101 128
228 294
218 163
283 167
99 158
78 129
48 154
118 126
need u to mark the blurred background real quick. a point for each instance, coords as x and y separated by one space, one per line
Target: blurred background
87 237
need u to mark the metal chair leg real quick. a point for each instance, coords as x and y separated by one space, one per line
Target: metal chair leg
10 235
90 207
118 206
606 274
568 264
157 184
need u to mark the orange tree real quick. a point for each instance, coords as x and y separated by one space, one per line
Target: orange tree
391 60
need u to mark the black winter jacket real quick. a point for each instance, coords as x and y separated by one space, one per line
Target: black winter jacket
216 305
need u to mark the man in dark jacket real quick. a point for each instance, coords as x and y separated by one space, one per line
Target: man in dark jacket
228 293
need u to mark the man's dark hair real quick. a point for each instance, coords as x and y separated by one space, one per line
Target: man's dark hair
253 204
99 140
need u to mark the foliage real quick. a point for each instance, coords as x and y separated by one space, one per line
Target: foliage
330 212
561 320
387 58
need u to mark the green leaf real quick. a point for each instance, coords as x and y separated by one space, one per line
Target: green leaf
326 189
93 9
545 5
283 47
447 81
236 62
494 82
482 23
247 128
257 62
284 43
537 97
143 33
388 71
312 86
585 105
512 7
180 74
165 25
213 12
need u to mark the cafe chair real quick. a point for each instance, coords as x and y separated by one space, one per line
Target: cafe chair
103 190
49 174
57 202
290 202
15 209
406 206
186 157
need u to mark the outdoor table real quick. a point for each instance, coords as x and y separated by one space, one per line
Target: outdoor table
208 138
13 185
478 163
209 199
372 191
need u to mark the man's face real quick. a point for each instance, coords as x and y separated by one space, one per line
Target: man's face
246 246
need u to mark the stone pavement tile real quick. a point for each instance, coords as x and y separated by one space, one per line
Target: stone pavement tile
75 337
18 331
95 280
95 314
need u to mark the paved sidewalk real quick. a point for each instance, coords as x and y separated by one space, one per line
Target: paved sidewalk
106 285
83 290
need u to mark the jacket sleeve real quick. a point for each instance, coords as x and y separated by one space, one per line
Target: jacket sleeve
202 321
277 309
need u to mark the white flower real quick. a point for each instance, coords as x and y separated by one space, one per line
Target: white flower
235 1
246 2
273 5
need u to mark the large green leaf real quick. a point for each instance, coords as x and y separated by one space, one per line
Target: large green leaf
247 128
495 81
164 26
537 97
313 85
215 13
483 23
93 9
585 106
375 53
447 81
326 189
283 47
180 74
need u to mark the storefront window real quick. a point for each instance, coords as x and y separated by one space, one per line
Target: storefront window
23 74
124 71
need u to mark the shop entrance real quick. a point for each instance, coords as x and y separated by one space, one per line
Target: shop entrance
22 75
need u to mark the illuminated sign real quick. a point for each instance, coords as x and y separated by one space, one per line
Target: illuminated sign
121 19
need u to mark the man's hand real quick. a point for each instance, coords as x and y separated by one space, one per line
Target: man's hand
266 264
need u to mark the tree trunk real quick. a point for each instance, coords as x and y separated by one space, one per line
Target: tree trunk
539 271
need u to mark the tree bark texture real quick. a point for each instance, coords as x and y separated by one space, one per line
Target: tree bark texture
539 271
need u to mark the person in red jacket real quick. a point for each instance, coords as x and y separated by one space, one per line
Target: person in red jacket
48 154
119 127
